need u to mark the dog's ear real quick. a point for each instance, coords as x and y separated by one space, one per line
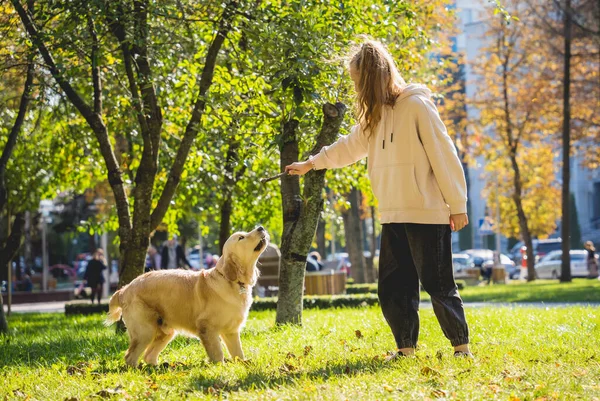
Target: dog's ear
230 269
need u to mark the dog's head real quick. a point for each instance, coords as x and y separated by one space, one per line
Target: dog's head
240 254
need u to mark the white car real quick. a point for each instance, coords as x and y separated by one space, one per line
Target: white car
550 265
460 261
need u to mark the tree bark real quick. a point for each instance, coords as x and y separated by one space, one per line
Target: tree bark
301 214
565 275
354 238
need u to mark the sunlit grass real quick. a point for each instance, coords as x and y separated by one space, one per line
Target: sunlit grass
525 353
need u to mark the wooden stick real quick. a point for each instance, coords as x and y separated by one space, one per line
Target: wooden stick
267 179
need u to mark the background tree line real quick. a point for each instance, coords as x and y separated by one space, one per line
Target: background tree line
179 107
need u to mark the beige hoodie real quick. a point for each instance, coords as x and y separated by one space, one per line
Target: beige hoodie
413 166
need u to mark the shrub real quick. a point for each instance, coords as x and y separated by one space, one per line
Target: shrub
80 308
259 304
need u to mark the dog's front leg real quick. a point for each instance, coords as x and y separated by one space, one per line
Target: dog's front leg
234 345
212 345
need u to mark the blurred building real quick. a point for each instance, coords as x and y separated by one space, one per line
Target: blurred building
585 184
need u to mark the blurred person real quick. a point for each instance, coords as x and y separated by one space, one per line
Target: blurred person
173 256
94 274
592 263
153 259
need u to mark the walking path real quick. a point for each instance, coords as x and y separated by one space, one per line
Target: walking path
59 307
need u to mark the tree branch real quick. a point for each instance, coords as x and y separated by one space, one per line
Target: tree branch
93 119
14 132
95 73
118 30
191 130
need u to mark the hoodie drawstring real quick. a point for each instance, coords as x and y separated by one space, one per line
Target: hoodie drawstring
392 133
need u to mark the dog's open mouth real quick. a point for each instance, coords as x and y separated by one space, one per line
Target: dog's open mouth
261 244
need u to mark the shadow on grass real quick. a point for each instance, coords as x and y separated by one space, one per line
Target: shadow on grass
287 374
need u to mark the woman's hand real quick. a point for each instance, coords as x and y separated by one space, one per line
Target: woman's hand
299 168
458 221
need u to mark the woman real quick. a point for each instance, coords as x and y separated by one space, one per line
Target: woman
93 274
592 263
420 185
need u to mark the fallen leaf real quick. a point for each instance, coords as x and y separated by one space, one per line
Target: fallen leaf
439 393
286 368
290 356
494 388
426 370
580 373
107 393
387 388
72 370
307 350
358 334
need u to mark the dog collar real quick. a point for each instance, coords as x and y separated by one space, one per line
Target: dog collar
243 289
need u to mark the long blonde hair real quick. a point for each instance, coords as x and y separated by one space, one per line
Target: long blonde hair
379 82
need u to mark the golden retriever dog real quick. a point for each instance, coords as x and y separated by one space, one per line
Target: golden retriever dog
210 304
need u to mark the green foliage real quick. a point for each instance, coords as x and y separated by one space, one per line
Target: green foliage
336 354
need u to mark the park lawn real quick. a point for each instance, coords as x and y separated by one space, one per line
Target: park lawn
579 290
521 353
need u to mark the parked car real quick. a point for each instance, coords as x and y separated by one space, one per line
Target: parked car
479 256
460 261
549 267
512 271
541 247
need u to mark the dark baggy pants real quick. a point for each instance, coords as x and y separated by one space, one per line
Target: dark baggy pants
409 253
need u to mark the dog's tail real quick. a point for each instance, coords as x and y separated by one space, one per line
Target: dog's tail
114 309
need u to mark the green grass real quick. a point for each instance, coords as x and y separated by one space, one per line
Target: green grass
521 353
580 290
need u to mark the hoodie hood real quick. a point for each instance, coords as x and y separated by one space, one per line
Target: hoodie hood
414 89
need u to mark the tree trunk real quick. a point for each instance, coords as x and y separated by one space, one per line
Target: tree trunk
225 223
354 236
321 245
523 219
565 275
300 215
133 258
